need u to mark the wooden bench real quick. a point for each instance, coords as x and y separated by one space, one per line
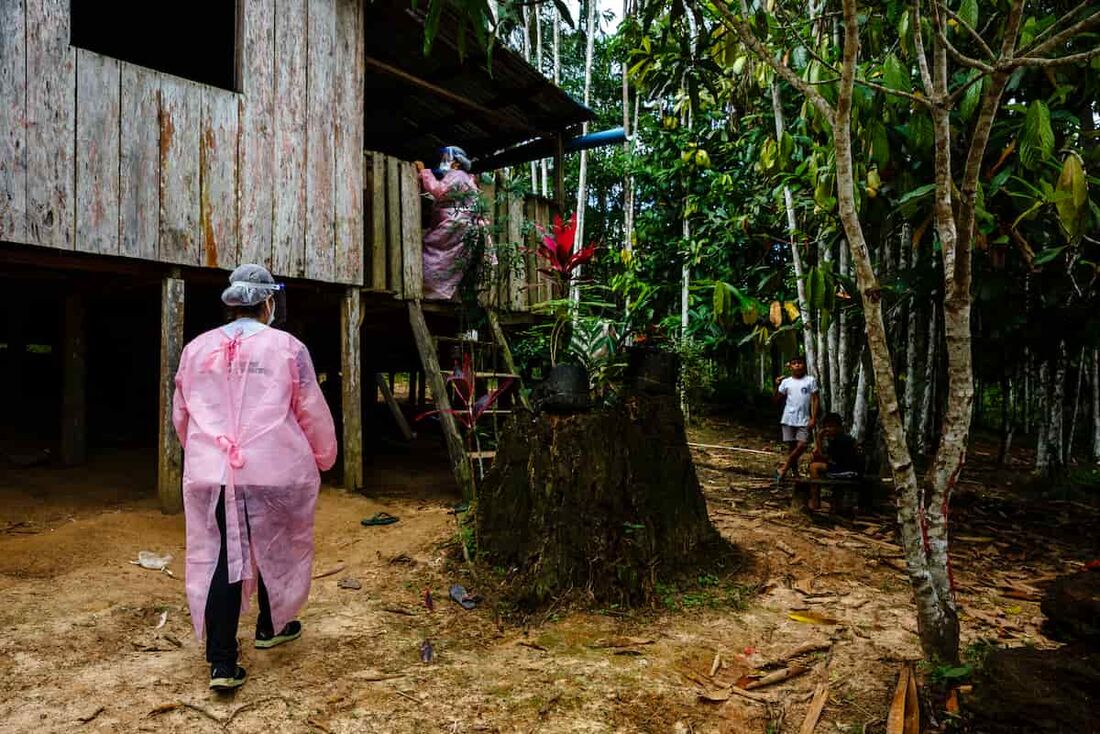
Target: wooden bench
846 493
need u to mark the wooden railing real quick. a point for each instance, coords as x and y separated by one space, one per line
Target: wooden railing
394 216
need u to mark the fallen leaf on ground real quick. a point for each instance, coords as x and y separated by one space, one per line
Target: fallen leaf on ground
811 618
777 677
952 703
349 583
904 716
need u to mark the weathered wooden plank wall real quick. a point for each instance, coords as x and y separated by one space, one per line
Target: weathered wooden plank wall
288 246
97 168
349 255
393 226
139 163
218 179
320 165
180 117
256 163
13 133
99 155
376 217
412 234
51 124
490 298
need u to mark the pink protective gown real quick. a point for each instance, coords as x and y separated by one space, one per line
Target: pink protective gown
453 212
251 416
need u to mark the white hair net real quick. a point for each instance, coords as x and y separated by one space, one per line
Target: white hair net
249 284
454 153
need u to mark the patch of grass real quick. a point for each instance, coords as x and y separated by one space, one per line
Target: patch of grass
704 592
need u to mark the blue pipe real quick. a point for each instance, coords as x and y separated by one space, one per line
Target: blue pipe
614 136
547 148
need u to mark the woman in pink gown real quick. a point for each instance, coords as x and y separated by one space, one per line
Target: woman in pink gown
454 214
255 431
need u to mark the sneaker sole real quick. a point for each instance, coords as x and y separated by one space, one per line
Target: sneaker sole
226 684
276 641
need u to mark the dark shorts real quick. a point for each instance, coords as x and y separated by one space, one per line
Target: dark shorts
795 433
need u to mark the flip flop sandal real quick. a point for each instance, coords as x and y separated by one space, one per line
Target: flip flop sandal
382 518
466 601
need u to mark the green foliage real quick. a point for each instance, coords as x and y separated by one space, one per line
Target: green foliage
1036 136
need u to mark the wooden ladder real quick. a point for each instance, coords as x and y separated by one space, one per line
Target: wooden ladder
427 346
429 359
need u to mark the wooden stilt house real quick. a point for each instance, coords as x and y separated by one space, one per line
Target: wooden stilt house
146 151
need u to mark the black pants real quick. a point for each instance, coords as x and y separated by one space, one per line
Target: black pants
223 604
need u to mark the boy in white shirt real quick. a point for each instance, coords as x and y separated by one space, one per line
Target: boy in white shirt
799 392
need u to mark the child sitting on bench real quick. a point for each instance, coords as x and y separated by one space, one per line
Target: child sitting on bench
836 457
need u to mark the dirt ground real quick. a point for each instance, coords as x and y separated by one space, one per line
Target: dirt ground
81 647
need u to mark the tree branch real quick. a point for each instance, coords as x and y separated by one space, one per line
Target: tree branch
863 82
1065 18
970 29
918 44
1086 24
1079 58
957 55
753 43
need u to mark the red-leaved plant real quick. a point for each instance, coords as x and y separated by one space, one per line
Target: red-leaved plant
557 251
465 379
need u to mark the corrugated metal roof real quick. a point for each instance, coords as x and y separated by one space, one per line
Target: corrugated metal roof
509 103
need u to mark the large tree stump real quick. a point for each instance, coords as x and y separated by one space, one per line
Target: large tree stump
605 502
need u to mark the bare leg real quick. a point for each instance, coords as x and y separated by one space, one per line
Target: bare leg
817 471
797 449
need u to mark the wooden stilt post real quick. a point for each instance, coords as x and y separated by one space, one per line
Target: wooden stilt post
413 374
460 462
73 414
422 391
395 409
351 388
170 459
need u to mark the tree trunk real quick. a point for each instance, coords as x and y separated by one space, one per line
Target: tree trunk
525 17
808 337
1055 448
912 345
924 546
859 410
557 47
1008 425
544 165
644 519
582 176
1095 405
628 179
1067 455
1042 440
833 344
924 431
844 349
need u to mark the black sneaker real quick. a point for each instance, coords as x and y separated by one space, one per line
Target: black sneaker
227 677
292 631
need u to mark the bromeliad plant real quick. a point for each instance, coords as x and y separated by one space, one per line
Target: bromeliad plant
470 409
561 262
